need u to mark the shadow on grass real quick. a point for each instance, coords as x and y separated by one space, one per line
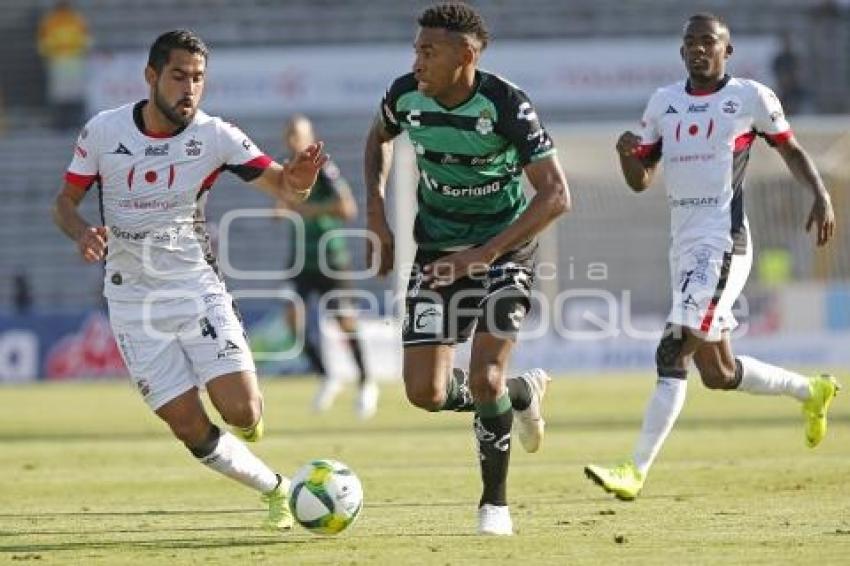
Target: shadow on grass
454 425
158 544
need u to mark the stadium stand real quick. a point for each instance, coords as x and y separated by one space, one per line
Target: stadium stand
32 157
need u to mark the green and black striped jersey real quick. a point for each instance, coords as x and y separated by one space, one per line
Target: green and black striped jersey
470 157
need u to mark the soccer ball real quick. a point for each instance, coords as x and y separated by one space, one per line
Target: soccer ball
325 497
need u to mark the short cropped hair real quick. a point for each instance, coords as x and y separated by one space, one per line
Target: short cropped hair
457 17
709 17
176 39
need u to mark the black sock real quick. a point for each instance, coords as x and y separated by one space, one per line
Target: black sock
208 446
493 430
315 357
357 352
520 393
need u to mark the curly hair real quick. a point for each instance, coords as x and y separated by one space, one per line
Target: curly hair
458 17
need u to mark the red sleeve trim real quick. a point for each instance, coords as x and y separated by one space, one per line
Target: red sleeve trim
208 182
781 137
645 150
743 141
81 181
261 162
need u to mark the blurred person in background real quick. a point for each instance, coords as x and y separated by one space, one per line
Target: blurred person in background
702 129
63 43
329 206
154 162
789 84
21 292
2 113
474 134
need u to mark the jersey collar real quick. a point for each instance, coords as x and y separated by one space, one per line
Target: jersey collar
475 86
140 123
698 92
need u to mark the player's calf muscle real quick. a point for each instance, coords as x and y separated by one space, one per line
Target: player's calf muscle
716 376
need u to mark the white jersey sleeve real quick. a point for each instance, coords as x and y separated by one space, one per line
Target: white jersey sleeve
650 131
84 166
239 154
768 117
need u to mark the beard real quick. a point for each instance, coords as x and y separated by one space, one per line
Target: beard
170 112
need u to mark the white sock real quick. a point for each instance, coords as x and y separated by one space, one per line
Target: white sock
760 378
233 459
661 413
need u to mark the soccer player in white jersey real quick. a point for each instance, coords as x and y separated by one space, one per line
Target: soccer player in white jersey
702 129
178 330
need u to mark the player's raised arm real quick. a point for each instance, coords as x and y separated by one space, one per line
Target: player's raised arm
293 179
640 152
377 160
340 205
637 160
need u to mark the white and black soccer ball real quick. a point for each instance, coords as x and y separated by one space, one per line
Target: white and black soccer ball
325 497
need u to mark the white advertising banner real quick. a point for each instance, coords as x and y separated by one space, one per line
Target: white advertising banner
571 74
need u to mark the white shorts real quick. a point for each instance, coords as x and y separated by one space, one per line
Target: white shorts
706 281
175 344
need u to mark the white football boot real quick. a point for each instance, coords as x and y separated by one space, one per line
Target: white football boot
530 424
329 388
366 404
495 520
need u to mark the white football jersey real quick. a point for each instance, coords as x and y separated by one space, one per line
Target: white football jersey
152 193
703 139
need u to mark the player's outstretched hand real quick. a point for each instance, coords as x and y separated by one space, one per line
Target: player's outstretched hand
301 172
452 267
381 236
628 144
823 218
92 243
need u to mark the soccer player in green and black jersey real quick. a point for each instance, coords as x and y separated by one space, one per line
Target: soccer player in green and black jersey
325 252
474 134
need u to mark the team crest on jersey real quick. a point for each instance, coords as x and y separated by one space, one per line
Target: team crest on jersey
484 125
730 105
194 147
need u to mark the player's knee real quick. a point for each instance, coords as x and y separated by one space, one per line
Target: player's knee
244 413
425 397
422 386
668 357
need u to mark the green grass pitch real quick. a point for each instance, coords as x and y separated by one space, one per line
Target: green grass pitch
89 476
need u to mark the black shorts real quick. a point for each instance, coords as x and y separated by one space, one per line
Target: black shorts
495 302
313 283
